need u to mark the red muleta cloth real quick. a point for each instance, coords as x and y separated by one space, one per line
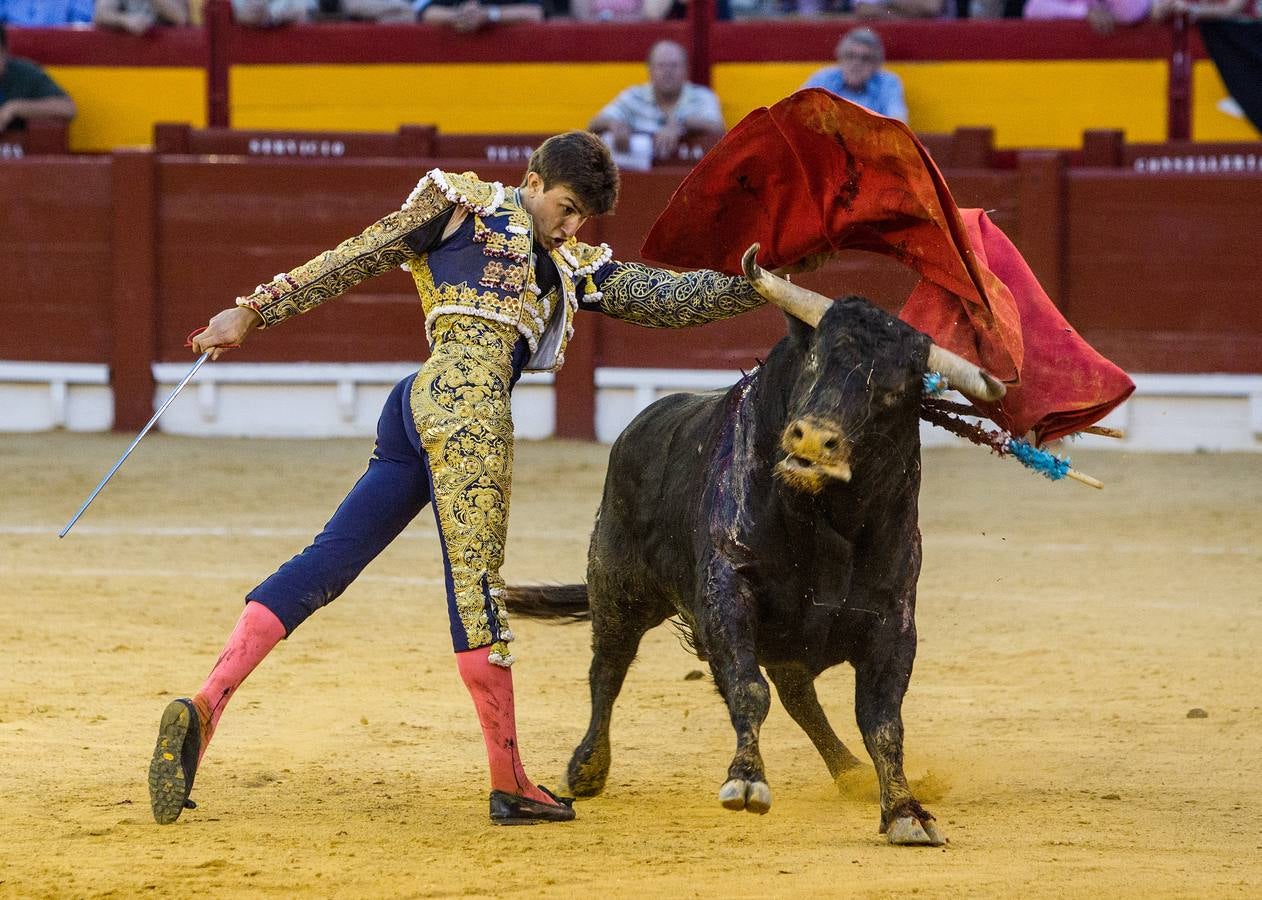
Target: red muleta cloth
817 174
1066 384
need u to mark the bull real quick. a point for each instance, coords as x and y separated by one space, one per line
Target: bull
778 523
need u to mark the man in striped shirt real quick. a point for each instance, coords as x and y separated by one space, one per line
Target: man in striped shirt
668 108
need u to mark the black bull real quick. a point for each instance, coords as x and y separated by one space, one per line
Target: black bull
778 521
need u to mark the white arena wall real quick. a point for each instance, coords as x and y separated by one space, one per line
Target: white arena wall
1167 413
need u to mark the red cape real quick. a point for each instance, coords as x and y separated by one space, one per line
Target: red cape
1066 384
817 174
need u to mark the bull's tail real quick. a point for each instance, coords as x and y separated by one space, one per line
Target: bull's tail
558 601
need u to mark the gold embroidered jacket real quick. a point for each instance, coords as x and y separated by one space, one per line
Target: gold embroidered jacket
489 272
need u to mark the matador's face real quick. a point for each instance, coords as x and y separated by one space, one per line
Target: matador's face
556 214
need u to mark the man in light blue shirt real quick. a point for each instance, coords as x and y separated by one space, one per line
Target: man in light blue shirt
45 13
859 78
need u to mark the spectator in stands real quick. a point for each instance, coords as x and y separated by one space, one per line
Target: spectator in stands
474 15
667 108
376 10
138 16
626 10
1104 15
1225 9
45 13
899 9
272 13
859 78
28 92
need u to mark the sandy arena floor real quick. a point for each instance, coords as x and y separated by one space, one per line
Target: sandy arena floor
1065 635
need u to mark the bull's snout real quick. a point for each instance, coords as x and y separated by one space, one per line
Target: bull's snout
815 453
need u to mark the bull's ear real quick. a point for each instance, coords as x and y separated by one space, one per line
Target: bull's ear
799 331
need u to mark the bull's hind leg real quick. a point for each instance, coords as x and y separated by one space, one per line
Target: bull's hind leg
796 689
881 681
726 622
618 624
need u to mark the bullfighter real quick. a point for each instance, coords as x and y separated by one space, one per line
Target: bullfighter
500 276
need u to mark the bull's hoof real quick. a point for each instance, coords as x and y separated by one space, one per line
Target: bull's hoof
751 796
581 786
908 831
586 774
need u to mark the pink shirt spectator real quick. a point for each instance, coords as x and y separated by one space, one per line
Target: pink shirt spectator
615 10
1125 12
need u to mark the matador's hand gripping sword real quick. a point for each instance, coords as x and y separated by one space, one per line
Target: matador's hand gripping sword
161 409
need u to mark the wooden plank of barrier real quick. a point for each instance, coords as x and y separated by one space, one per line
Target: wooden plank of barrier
55 256
575 392
408 141
495 147
134 308
1041 205
1160 269
1108 147
38 138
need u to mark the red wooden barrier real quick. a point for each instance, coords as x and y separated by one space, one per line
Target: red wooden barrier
55 255
1161 270
117 259
134 287
38 138
1108 147
409 140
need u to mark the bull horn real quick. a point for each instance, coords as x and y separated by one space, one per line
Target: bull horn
796 301
965 377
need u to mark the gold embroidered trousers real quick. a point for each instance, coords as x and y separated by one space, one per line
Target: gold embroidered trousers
460 404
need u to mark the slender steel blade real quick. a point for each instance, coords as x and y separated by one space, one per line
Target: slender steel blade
110 474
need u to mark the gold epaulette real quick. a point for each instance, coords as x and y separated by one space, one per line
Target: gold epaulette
465 189
580 261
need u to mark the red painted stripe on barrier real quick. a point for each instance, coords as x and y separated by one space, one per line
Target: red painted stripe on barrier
936 40
548 42
185 47
569 42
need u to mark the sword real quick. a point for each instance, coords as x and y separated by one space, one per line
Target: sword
161 409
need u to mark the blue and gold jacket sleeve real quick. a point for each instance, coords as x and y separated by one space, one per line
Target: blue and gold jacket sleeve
384 245
658 298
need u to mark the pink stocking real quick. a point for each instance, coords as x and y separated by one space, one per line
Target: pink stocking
256 633
491 687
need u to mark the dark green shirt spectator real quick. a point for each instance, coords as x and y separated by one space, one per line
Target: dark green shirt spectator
27 91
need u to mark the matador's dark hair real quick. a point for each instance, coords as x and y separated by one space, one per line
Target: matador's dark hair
581 161
4 38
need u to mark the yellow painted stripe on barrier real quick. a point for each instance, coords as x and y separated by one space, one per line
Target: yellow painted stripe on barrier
118 105
1210 122
1029 103
459 98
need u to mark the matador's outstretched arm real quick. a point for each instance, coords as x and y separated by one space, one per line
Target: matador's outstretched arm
659 298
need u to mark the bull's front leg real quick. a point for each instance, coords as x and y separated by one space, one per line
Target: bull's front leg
881 680
726 621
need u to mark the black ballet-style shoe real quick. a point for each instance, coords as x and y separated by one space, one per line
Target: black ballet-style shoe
510 809
174 763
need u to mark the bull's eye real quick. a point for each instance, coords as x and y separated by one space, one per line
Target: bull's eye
830 444
892 398
796 433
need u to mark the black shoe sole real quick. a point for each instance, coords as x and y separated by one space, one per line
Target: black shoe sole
509 809
170 776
